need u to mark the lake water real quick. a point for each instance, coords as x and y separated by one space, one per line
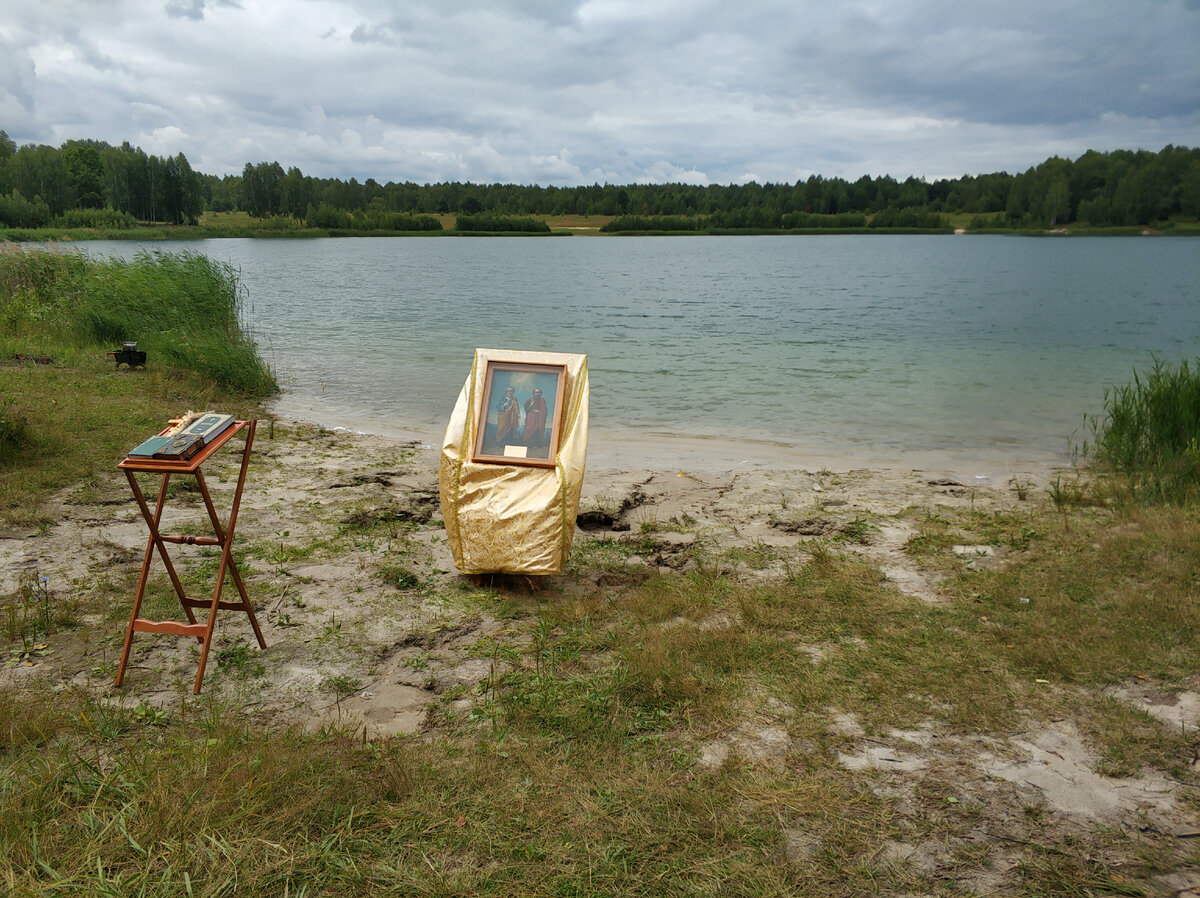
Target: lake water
968 354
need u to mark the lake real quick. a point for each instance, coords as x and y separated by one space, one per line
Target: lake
976 354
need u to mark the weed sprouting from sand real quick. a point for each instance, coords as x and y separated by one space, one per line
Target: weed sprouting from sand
398 576
36 610
239 659
858 530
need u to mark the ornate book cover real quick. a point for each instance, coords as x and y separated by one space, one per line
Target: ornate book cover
209 425
181 446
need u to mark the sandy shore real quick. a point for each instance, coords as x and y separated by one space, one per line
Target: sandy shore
308 485
614 450
368 626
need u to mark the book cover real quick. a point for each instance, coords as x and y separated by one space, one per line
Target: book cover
209 425
181 446
148 448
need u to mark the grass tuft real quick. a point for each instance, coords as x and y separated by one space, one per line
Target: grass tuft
1150 433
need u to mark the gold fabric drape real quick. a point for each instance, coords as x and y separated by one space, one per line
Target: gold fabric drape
513 519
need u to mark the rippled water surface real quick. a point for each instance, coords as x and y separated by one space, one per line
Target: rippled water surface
886 349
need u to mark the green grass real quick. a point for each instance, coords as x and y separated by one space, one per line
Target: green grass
37 609
183 308
1150 432
71 418
577 770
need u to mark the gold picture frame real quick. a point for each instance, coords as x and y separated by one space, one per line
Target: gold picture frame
519 412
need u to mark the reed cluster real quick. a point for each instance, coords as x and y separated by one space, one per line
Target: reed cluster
67 412
181 307
1150 433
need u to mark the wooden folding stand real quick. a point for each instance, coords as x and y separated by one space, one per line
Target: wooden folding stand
224 538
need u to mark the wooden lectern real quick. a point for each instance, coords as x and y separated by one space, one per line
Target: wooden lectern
202 631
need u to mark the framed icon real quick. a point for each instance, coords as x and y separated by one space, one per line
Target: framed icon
519 414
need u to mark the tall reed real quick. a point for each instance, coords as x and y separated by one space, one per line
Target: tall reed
1150 432
182 308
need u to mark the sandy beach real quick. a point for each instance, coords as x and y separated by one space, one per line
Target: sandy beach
612 450
344 554
307 484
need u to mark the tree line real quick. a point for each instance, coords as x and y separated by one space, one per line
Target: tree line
90 183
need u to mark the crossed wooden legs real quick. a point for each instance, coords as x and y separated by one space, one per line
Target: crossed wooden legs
202 631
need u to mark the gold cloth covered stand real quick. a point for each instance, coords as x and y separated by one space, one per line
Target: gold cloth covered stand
513 518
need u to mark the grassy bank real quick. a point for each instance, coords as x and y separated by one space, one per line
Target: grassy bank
66 410
1149 434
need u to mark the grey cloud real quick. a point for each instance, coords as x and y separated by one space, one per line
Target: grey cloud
619 90
374 34
194 9
185 9
17 104
1022 63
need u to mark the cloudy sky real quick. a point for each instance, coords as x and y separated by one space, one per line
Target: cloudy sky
622 91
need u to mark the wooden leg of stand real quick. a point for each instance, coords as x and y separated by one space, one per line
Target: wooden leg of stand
212 621
233 515
152 522
228 537
225 536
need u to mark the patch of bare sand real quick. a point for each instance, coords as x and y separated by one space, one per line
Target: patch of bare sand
785 509
1051 766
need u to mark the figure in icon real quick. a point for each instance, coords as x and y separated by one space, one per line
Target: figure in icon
535 419
508 419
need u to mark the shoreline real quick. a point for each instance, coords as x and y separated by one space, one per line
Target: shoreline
346 527
164 233
620 451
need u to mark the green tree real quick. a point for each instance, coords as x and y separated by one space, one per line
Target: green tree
1058 201
295 193
7 149
1189 190
260 193
1017 205
187 197
85 169
37 170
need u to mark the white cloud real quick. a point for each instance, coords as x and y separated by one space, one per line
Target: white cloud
666 173
164 141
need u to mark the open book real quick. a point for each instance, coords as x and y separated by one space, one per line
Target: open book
184 442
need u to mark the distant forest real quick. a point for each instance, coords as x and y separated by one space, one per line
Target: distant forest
88 183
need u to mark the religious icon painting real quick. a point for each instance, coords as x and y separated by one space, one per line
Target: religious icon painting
519 414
